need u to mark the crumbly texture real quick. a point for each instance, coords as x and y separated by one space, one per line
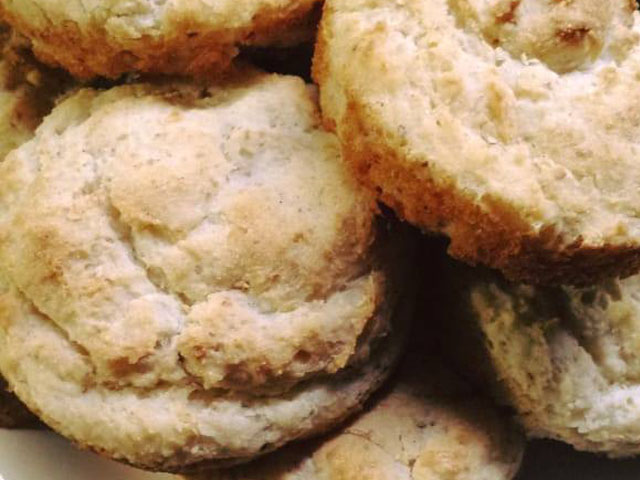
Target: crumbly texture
565 358
510 126
191 273
27 91
109 38
428 425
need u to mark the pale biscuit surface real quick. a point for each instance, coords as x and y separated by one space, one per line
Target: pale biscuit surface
511 126
429 425
566 358
27 93
190 274
108 38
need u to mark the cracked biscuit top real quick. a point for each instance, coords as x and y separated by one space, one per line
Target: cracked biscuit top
112 37
202 241
510 125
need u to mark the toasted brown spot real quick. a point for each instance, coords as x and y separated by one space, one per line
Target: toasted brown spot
123 367
509 16
572 35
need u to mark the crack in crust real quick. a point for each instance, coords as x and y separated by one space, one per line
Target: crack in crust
203 420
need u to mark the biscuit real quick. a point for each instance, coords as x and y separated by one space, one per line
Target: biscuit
564 357
191 275
27 91
171 37
427 425
510 126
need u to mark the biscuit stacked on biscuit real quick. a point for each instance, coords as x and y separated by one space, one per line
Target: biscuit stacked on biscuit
195 271
510 126
189 274
421 427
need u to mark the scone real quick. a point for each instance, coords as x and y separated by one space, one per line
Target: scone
175 37
566 358
427 425
190 275
510 126
27 91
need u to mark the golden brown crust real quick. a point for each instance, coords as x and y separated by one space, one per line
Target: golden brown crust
484 226
498 238
88 51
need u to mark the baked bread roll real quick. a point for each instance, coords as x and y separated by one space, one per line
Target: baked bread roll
566 358
510 126
174 37
428 424
190 275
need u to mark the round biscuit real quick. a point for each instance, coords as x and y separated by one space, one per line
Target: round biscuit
510 126
190 274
